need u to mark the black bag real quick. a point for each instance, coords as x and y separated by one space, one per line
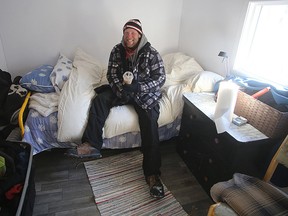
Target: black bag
17 186
12 96
5 83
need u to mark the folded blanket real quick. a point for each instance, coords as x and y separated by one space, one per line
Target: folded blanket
45 104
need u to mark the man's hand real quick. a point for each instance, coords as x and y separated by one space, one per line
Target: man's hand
133 87
125 98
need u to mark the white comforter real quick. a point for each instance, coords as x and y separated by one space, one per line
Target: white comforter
182 72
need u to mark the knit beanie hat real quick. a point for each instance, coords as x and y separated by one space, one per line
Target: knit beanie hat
134 24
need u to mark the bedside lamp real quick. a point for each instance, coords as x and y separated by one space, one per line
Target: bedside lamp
226 61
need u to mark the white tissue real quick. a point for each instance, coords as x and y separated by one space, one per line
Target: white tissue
226 100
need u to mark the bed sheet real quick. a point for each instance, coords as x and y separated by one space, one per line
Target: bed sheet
41 133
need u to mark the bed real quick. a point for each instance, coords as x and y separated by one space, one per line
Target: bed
61 96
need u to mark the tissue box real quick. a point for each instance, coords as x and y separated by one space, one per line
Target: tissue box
266 119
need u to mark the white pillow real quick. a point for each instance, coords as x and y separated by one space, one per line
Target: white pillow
61 72
76 96
166 110
175 96
179 68
206 81
38 80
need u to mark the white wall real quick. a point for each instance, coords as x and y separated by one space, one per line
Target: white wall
209 26
3 65
33 32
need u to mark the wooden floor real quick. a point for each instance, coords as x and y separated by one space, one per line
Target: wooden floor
62 186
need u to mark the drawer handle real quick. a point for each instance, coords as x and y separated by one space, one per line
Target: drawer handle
192 116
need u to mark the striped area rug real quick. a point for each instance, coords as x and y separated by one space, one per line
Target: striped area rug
120 188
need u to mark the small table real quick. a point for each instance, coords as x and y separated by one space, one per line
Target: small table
214 157
205 103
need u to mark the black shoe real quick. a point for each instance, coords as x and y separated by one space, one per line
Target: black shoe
156 186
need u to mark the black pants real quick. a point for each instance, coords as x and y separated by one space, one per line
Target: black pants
148 122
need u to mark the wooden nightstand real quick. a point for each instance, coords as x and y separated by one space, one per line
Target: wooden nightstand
215 157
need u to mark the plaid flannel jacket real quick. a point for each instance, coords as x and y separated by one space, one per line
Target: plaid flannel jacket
148 71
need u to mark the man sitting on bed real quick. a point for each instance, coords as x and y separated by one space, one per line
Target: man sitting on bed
144 66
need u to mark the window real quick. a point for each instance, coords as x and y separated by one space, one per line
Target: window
263 47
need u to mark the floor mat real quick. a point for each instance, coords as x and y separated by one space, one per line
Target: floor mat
119 187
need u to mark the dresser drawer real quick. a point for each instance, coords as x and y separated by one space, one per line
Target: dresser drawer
195 122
